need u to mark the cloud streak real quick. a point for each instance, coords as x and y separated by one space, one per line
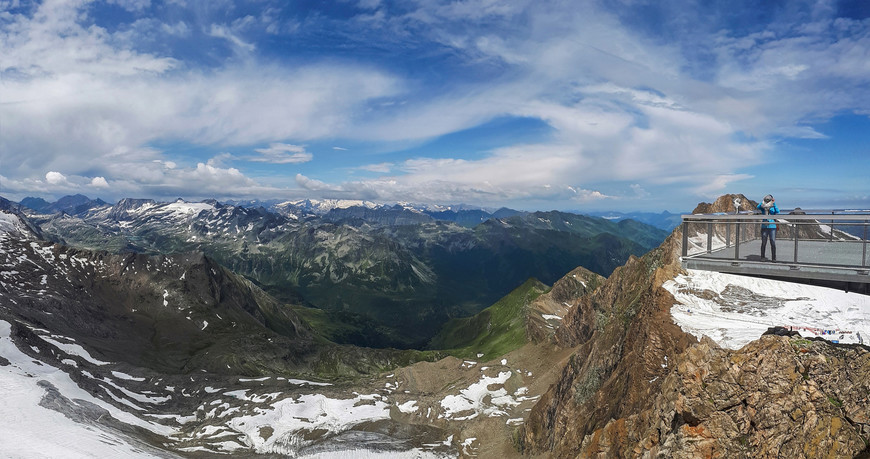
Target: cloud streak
282 153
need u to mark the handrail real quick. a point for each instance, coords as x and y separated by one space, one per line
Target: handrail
779 216
747 222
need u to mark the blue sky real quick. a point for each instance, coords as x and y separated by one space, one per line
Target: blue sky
531 104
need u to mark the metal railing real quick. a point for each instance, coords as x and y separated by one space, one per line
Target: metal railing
836 238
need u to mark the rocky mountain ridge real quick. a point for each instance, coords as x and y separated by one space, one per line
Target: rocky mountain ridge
392 275
175 356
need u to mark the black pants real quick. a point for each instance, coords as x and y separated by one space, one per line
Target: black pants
768 233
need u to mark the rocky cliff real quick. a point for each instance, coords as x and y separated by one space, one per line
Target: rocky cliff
638 386
776 397
624 341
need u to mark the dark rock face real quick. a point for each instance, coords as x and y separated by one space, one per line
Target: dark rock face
172 314
120 210
392 216
159 312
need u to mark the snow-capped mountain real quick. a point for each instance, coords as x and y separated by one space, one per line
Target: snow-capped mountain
369 267
12 224
167 356
320 206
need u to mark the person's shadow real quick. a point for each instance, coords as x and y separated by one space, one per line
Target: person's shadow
756 258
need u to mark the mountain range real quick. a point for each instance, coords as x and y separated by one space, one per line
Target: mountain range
391 276
134 353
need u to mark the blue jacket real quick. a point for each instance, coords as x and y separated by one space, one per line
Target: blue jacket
773 211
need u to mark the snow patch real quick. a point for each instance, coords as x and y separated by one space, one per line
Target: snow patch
120 375
408 407
734 310
471 401
73 349
291 420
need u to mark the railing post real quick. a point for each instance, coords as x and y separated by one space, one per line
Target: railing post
709 236
737 241
727 235
864 249
832 228
795 242
685 238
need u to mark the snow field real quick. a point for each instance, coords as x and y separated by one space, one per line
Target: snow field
24 424
289 419
742 308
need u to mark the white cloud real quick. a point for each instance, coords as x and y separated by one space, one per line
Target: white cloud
180 29
719 183
132 5
369 4
71 89
99 182
221 31
166 164
638 190
55 178
585 196
282 153
800 132
314 185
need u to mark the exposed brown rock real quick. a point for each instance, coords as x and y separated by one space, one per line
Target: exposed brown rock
625 340
564 295
776 397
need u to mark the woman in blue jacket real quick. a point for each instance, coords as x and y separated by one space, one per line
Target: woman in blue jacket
768 228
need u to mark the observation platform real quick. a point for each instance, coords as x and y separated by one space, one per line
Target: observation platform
820 247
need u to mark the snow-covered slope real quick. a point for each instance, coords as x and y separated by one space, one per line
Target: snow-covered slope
10 223
321 206
39 399
734 310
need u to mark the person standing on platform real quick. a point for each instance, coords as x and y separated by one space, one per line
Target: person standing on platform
768 227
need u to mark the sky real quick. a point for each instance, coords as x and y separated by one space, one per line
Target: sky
532 104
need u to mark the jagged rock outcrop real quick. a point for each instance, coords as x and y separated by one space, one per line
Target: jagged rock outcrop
776 397
726 203
120 211
546 311
625 340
